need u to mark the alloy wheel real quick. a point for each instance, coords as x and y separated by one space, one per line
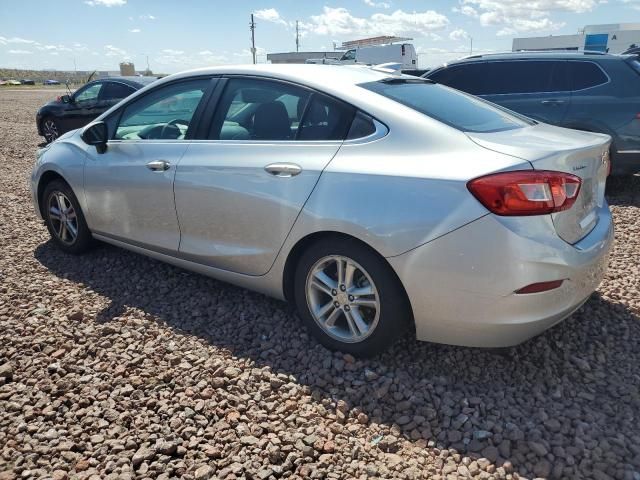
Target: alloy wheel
50 130
342 298
63 217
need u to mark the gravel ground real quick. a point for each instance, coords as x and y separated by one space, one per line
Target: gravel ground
113 365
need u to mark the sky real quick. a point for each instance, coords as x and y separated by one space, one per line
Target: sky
177 35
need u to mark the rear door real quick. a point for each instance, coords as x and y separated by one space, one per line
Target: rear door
538 89
239 190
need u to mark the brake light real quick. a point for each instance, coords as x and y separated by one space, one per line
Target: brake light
540 287
530 192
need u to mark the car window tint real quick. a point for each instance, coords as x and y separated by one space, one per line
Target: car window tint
449 106
256 109
89 93
585 75
468 78
349 55
115 91
362 126
325 119
164 113
524 76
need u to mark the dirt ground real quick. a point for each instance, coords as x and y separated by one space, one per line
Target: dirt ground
113 365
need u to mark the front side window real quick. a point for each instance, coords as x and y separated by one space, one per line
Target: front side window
449 106
165 113
468 77
349 55
586 75
115 91
256 109
89 93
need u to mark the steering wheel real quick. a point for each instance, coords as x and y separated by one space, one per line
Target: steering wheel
172 127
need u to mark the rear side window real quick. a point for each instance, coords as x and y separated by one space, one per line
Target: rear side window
525 76
585 75
456 109
325 119
362 126
115 91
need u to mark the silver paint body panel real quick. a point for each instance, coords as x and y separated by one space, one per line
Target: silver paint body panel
217 211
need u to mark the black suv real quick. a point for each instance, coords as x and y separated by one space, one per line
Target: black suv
589 91
69 112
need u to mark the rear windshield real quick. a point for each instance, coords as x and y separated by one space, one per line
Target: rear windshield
456 109
635 64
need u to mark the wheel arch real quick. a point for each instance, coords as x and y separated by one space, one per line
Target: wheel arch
45 179
305 242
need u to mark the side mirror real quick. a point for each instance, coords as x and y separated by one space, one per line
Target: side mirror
66 98
96 134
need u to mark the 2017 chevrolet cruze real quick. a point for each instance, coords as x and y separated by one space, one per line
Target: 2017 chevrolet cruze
373 201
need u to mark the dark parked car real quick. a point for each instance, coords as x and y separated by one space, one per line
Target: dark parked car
26 81
590 91
74 111
51 82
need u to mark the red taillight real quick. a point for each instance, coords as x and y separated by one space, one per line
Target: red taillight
540 287
530 192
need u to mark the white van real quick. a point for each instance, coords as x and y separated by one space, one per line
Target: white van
402 53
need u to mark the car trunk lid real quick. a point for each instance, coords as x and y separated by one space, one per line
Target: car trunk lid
583 154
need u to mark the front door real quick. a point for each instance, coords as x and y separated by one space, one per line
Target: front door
129 188
239 193
83 107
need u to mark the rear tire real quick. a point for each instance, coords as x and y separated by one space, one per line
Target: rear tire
349 297
64 218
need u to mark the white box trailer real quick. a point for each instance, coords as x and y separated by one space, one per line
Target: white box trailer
402 53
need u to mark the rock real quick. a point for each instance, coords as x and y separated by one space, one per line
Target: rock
542 468
490 453
203 473
370 375
166 447
232 372
141 455
6 371
539 449
248 440
76 315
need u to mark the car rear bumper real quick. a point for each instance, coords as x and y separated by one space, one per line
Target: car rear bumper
461 286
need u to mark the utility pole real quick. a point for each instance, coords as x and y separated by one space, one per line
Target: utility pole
297 37
252 27
471 47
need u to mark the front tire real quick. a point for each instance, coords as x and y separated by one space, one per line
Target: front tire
50 129
64 218
349 297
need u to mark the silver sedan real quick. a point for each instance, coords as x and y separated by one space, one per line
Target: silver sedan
375 202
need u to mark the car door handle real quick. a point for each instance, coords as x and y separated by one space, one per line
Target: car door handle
552 102
284 170
158 165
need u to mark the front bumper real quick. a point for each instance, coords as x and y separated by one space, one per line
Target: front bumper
461 286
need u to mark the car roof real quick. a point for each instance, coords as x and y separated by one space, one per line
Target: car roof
315 76
535 55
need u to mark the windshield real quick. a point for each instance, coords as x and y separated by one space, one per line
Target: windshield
456 109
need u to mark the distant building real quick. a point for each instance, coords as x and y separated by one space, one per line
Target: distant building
299 57
612 38
127 69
